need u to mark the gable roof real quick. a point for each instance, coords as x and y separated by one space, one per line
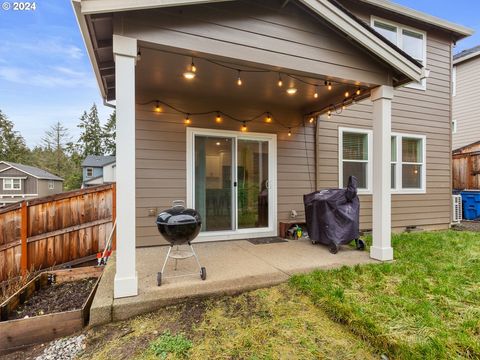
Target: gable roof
32 171
466 54
98 161
459 31
329 11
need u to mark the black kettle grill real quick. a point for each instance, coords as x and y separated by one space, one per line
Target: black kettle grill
179 226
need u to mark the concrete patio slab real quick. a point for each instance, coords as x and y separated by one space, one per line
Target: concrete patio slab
232 267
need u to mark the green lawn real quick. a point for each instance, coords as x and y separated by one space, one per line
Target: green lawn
425 305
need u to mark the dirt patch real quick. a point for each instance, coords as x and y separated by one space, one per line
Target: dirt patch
54 298
468 226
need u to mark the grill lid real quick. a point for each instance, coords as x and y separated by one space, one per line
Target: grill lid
178 215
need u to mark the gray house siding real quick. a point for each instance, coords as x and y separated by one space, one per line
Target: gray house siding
466 105
29 185
44 190
415 112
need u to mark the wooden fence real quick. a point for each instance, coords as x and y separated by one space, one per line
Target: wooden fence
48 231
466 168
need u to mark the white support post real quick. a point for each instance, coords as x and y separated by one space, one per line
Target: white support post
382 205
125 54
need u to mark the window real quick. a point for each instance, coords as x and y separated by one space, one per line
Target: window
413 42
12 184
454 126
355 157
51 184
408 163
89 172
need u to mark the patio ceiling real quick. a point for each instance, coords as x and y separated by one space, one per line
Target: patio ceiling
159 76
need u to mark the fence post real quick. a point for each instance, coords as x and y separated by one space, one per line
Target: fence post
114 215
23 234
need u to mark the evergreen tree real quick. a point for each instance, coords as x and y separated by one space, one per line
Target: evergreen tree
12 144
54 144
109 133
90 140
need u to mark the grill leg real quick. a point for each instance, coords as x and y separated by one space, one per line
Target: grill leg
196 257
166 258
176 260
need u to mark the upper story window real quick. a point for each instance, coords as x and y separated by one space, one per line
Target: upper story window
12 184
412 41
51 185
89 172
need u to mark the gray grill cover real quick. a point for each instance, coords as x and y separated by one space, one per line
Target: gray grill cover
333 215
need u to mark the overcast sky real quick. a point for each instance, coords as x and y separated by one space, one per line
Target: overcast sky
45 74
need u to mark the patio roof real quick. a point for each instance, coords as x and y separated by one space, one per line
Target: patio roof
95 19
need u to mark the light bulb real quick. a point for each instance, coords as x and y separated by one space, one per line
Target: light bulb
315 95
193 68
218 118
329 86
239 80
311 120
358 92
158 108
187 120
139 55
268 119
347 94
244 127
218 143
289 132
280 82
291 91
343 107
189 75
416 171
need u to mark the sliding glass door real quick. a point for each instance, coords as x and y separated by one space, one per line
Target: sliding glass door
230 176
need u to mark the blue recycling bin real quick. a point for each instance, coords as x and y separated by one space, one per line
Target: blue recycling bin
471 205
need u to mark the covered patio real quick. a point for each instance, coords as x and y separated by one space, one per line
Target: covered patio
189 78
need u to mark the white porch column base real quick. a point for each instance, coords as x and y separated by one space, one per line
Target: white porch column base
125 54
382 205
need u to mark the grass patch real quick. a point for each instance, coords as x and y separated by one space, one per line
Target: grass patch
167 344
425 305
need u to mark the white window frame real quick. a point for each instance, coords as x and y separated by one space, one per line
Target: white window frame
369 133
11 181
51 185
399 163
400 28
86 172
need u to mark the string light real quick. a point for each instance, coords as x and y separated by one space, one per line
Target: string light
347 94
292 90
244 127
358 92
311 120
316 93
328 85
187 120
329 114
189 75
239 80
139 55
157 107
289 132
268 119
218 118
280 82
193 68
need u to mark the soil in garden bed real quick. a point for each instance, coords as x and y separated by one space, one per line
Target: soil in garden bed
54 298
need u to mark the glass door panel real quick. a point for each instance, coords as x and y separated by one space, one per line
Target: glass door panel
214 182
252 190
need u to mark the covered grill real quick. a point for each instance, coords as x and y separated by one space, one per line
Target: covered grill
333 216
179 226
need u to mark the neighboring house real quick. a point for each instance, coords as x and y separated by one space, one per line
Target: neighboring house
23 182
465 100
237 107
98 170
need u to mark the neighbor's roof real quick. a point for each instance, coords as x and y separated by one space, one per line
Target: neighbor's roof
460 30
466 54
98 161
33 171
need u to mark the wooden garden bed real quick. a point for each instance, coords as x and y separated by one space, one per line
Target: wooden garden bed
53 304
